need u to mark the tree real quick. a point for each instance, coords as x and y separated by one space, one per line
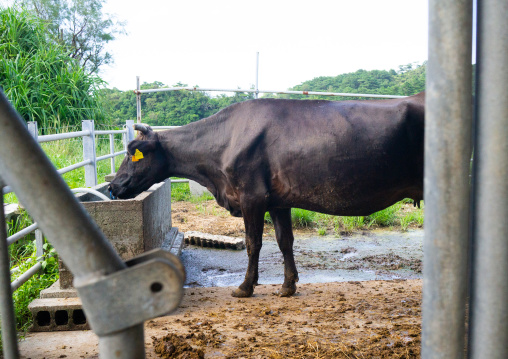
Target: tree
81 26
42 82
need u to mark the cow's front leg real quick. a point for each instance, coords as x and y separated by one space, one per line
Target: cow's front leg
253 218
284 233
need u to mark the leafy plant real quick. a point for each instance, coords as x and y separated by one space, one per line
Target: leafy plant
302 217
39 77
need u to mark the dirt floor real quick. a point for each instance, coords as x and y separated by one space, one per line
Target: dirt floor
374 319
346 319
370 319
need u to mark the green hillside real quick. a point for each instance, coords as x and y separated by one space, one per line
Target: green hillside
182 107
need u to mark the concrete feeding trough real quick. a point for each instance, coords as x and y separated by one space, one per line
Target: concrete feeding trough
133 226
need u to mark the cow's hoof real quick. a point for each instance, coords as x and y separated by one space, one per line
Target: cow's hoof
286 292
240 293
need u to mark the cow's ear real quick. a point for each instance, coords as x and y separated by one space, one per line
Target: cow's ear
142 146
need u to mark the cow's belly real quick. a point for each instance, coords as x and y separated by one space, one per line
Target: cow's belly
346 195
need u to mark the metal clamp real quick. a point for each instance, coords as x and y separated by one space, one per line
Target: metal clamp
151 286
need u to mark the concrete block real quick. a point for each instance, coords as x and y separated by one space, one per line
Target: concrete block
109 177
59 307
196 189
10 211
133 226
58 314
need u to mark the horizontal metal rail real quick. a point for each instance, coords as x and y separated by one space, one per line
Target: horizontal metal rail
164 127
17 236
74 166
62 136
18 282
180 181
105 157
309 93
109 132
17 269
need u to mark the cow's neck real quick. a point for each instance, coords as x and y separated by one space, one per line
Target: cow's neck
194 152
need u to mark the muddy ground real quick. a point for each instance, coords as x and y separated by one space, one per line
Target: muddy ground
359 296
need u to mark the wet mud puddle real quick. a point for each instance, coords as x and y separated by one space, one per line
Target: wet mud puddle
373 255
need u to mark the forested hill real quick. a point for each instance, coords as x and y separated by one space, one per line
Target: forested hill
408 80
182 107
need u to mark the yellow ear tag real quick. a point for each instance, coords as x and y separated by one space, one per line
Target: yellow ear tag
137 156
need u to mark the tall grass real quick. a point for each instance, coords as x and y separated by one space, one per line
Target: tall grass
39 77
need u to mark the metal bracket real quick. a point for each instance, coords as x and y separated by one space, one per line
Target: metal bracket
151 286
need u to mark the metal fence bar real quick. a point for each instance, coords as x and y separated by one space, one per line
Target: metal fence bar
63 136
89 154
63 220
18 235
108 132
164 127
489 305
447 161
8 322
138 92
112 152
129 134
18 282
74 166
105 157
138 101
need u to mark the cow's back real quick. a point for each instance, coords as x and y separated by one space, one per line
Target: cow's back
344 157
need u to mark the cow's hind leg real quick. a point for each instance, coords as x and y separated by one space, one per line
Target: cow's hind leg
284 233
253 218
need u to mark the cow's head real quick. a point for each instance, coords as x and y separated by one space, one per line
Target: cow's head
144 165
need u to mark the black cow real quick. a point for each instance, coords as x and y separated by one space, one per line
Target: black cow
348 158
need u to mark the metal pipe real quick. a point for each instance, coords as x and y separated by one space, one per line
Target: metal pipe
62 136
112 152
8 322
74 166
18 235
109 132
105 157
138 101
268 91
26 276
448 124
489 299
62 219
91 191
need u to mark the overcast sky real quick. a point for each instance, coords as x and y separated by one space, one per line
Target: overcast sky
214 43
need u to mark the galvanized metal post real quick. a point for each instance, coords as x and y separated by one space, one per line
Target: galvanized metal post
489 299
89 153
129 135
447 157
39 238
138 101
257 73
112 151
64 221
9 337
